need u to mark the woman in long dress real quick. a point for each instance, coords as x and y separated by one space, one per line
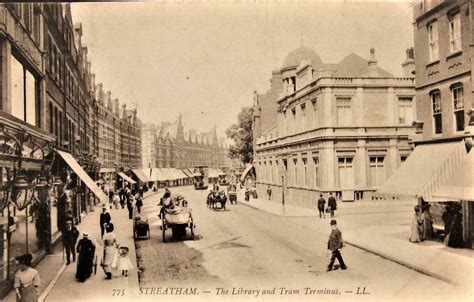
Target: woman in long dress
86 251
110 248
27 280
416 224
427 223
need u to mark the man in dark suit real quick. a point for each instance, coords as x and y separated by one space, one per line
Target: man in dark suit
70 235
321 204
332 204
104 219
334 244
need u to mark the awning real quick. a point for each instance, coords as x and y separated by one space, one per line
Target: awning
213 173
247 170
126 178
157 174
69 159
107 170
142 175
188 173
461 185
425 170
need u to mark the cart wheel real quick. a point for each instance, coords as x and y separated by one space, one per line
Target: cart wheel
192 230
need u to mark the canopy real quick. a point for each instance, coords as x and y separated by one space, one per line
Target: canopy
213 173
157 174
188 173
126 177
69 159
247 170
425 170
461 185
142 175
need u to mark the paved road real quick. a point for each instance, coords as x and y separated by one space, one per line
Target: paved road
255 251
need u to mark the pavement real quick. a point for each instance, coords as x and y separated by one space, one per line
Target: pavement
382 227
58 281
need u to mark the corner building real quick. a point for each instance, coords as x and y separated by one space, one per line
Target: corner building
324 128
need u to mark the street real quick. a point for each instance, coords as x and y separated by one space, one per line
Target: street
251 253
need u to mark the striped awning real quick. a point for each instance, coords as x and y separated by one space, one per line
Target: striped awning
126 177
247 170
142 175
427 168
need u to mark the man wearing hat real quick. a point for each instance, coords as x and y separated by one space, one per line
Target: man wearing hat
70 234
104 220
334 244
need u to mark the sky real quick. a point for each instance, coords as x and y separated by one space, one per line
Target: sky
204 60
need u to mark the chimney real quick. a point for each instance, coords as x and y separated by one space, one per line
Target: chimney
372 64
409 64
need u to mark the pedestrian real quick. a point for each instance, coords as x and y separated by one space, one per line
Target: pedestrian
334 245
130 206
104 220
247 194
122 197
269 192
416 224
69 217
427 223
111 196
448 217
321 205
332 204
116 200
455 237
122 261
70 235
86 251
110 248
139 204
27 280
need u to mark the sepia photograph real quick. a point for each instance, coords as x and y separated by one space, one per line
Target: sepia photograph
265 150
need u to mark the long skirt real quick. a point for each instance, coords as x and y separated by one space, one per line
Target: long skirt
109 253
84 267
28 294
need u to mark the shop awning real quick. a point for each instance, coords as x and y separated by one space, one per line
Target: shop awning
157 174
425 170
107 170
188 173
126 177
461 185
69 159
247 170
142 175
213 173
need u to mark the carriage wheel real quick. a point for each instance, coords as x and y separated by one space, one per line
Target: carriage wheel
185 203
192 230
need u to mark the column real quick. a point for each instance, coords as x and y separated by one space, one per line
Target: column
361 163
327 108
392 105
5 90
328 165
358 102
391 161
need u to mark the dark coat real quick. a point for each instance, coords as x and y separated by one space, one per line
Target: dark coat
70 236
332 204
86 251
335 240
139 203
105 218
321 203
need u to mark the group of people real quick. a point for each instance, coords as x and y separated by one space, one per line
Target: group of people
422 225
132 198
331 208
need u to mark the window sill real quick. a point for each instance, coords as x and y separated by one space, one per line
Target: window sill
432 63
454 54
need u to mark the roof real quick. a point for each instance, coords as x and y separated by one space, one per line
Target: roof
355 66
460 185
294 58
169 130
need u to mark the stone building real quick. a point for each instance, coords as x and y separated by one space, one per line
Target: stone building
442 157
324 128
174 148
148 146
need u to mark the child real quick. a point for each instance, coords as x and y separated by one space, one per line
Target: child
122 261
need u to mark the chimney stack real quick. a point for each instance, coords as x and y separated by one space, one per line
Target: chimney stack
372 64
409 64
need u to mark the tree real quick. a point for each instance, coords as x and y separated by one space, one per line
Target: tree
242 135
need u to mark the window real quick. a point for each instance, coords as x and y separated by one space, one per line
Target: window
376 170
293 120
433 40
317 175
405 111
24 106
303 117
346 173
51 119
437 120
455 32
458 100
344 116
315 113
295 171
305 171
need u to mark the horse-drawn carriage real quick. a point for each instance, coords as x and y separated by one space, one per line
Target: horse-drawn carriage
177 217
216 201
141 228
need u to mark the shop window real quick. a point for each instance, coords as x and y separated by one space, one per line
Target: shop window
458 102
436 107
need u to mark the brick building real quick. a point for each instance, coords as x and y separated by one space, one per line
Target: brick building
443 32
324 128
